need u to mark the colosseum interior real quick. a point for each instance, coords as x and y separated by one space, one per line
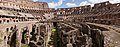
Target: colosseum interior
24 23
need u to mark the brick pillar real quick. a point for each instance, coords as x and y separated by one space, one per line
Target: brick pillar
69 45
18 37
30 30
5 41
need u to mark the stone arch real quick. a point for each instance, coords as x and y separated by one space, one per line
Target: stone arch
13 40
0 21
7 29
24 35
4 37
11 28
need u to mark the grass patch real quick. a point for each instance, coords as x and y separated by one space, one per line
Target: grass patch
24 45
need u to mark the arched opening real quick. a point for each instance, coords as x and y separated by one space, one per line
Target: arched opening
24 36
109 22
7 21
13 40
7 29
11 28
16 20
0 21
4 37
32 44
33 34
4 20
13 20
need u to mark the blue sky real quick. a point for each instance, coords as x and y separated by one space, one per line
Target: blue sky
73 3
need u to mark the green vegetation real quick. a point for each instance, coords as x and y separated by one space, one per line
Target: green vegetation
50 42
25 36
24 45
53 30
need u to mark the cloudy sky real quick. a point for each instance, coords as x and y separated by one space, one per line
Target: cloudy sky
73 3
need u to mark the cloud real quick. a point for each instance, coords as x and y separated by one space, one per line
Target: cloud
114 1
92 2
71 4
35 0
86 3
73 0
54 5
98 1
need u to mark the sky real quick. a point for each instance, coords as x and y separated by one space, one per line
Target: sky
73 3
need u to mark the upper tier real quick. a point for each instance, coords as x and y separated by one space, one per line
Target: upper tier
15 0
24 4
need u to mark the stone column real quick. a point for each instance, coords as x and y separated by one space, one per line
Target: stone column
30 30
5 41
69 45
18 37
45 37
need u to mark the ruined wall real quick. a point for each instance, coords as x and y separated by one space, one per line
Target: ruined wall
19 23
15 0
25 4
102 13
32 34
81 35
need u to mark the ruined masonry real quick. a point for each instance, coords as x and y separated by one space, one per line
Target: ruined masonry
24 23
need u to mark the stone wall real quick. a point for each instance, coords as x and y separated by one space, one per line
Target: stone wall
102 13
